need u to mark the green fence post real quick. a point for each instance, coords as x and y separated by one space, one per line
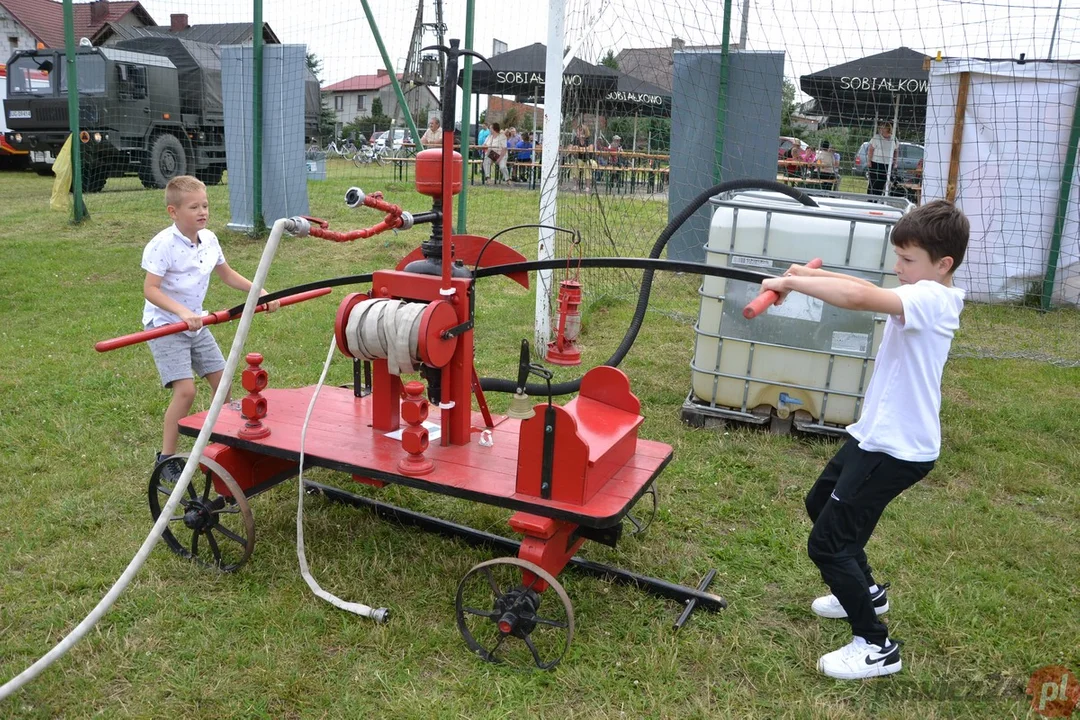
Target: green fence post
721 100
393 76
1062 208
258 221
466 108
73 110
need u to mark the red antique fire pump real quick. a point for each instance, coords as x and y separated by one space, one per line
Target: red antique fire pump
569 473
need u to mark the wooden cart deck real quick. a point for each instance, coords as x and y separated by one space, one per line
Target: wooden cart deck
340 437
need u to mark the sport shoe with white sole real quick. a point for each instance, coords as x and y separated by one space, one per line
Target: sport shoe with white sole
827 606
860 659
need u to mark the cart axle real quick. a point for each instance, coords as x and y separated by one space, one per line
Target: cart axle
655 586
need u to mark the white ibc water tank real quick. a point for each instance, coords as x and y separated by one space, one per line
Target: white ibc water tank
804 362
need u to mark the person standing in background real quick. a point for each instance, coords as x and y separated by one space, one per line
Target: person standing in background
880 156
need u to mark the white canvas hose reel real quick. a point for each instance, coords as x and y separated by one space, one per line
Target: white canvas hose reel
403 333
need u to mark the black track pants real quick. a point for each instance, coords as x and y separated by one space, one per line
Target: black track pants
845 504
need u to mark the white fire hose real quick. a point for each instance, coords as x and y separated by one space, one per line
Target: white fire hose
298 226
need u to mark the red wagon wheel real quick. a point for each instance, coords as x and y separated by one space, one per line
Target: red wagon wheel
221 527
494 608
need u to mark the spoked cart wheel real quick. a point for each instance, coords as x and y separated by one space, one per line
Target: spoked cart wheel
215 530
643 512
503 620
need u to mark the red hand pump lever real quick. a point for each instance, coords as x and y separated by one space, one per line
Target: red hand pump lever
762 302
221 316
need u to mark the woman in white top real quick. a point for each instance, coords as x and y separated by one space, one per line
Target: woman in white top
827 167
879 156
495 145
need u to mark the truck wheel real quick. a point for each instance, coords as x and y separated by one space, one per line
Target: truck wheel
210 175
167 159
93 179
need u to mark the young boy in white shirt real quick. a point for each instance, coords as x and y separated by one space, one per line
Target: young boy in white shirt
178 262
898 436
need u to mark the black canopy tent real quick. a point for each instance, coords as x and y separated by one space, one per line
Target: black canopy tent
888 85
635 97
522 73
632 97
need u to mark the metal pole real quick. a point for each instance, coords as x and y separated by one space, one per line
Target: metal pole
745 24
549 166
721 101
258 221
73 110
1053 33
393 76
896 144
596 125
1062 208
466 129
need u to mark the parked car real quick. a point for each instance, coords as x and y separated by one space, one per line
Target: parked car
908 162
858 165
785 145
394 140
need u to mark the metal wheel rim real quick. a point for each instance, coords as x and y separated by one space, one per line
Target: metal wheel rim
168 163
490 655
246 539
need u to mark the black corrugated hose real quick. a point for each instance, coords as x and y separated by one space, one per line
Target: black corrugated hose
572 386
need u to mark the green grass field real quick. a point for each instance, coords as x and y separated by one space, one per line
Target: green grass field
981 555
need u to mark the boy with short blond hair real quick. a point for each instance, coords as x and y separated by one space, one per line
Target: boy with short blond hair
897 439
178 262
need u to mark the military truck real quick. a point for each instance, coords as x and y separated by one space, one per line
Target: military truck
9 156
148 106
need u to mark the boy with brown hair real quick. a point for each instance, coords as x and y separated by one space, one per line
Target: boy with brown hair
898 436
178 262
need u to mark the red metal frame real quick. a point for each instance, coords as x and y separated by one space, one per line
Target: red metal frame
587 468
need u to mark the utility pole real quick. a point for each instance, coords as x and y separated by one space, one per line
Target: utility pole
411 76
438 28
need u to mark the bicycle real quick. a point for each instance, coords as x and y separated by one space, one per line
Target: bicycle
366 155
346 150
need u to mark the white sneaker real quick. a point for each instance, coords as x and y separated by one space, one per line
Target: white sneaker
828 606
860 659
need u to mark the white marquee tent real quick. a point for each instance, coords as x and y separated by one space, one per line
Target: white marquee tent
1017 120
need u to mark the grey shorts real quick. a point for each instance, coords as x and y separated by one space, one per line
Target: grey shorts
180 357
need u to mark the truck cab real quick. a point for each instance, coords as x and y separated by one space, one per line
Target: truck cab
9 156
131 117
149 106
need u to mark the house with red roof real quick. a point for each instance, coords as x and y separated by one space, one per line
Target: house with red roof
352 98
24 24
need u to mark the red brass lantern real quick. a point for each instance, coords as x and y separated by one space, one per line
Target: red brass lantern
564 349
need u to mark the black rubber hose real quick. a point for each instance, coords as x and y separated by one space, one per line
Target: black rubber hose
572 386
501 385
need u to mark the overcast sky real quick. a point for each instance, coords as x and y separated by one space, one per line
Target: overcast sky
814 35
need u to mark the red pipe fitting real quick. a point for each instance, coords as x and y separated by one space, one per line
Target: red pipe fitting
390 222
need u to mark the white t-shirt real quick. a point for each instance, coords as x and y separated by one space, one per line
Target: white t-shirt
184 269
883 149
900 415
432 139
